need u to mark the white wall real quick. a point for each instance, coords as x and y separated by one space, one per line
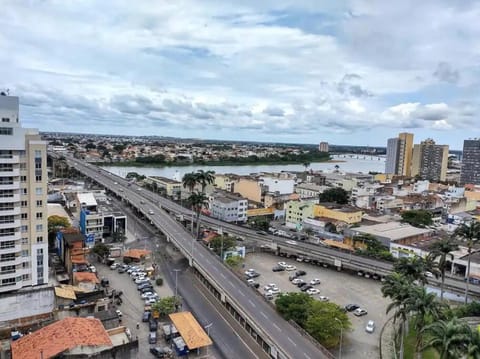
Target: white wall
26 303
283 186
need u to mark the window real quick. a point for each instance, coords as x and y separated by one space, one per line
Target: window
24 191
25 265
40 252
23 178
39 203
39 239
5 119
39 215
38 165
24 228
25 277
23 166
24 216
23 203
6 131
39 227
39 191
38 178
24 240
25 253
38 154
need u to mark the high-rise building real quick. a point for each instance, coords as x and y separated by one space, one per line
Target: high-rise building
430 161
323 147
23 202
471 162
399 154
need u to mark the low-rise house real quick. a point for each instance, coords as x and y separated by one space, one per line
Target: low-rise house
297 211
228 207
170 187
309 190
347 214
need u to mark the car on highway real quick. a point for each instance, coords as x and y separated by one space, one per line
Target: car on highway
263 233
151 212
291 242
359 312
315 281
370 328
278 269
290 268
323 298
351 307
313 291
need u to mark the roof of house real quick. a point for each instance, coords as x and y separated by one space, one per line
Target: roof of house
61 336
136 253
85 277
392 230
87 199
67 293
191 332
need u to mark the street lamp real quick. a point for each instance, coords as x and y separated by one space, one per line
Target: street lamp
341 338
176 274
207 327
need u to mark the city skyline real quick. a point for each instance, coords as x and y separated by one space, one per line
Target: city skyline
294 72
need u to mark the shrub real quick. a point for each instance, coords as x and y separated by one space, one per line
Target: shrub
159 281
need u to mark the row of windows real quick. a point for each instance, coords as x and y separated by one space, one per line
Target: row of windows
38 191
38 178
39 215
38 228
6 131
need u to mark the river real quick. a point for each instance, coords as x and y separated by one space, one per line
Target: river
363 164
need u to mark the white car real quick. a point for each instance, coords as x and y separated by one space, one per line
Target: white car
270 287
282 264
119 313
93 269
114 266
247 272
298 281
315 281
132 269
370 328
323 298
291 242
290 268
274 291
150 301
313 291
142 280
429 274
147 295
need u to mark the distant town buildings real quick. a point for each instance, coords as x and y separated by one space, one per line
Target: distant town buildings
430 161
323 147
23 201
471 162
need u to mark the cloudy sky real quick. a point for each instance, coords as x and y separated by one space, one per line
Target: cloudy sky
348 72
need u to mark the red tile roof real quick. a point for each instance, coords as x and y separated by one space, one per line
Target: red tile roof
136 253
85 277
61 336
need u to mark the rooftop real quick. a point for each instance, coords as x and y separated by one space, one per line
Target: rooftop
188 327
60 337
87 199
85 277
136 253
392 230
164 179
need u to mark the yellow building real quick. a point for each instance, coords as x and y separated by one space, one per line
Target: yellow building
297 211
406 153
225 182
342 214
249 188
172 188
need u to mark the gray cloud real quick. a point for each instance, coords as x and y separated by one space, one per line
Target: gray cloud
445 73
274 111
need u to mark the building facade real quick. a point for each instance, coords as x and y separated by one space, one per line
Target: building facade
430 161
471 162
323 147
170 187
23 202
228 207
399 154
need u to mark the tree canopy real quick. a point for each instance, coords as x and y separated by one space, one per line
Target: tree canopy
57 222
101 250
294 306
417 218
166 305
336 195
221 244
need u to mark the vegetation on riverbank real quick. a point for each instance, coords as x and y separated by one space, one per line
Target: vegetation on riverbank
274 159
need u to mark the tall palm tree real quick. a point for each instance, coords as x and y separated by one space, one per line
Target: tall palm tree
412 267
425 308
470 233
189 180
198 201
442 250
449 338
473 349
205 178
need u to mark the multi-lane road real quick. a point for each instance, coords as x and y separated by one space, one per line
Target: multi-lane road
285 341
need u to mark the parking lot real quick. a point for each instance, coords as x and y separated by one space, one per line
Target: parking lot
341 288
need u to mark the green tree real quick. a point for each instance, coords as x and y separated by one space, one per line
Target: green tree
190 180
101 250
167 305
442 251
198 201
204 178
413 268
469 232
449 338
294 306
233 261
135 175
220 244
57 222
119 148
325 322
473 349
417 218
336 194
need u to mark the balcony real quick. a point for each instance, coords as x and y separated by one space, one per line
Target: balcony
14 286
14 185
10 159
13 224
13 173
14 237
15 249
13 262
10 212
12 199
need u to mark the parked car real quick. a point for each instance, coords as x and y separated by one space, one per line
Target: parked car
370 328
274 291
114 266
298 281
360 273
269 287
313 291
143 285
299 273
152 324
360 312
121 270
119 313
290 268
147 289
161 352
351 307
150 301
147 295
146 316
315 281
291 277
323 298
278 269
268 296
282 264
304 288
253 275
142 280
152 337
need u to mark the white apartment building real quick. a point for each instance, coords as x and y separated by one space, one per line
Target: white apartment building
23 202
228 207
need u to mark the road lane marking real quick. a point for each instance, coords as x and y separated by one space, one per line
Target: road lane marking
263 314
223 276
291 341
307 356
276 326
252 303
243 295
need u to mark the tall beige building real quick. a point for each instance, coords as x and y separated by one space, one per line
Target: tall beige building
23 202
430 161
399 154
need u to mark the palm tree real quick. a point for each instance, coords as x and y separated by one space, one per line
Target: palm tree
441 250
425 308
198 200
412 267
189 180
205 178
470 233
474 344
449 338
